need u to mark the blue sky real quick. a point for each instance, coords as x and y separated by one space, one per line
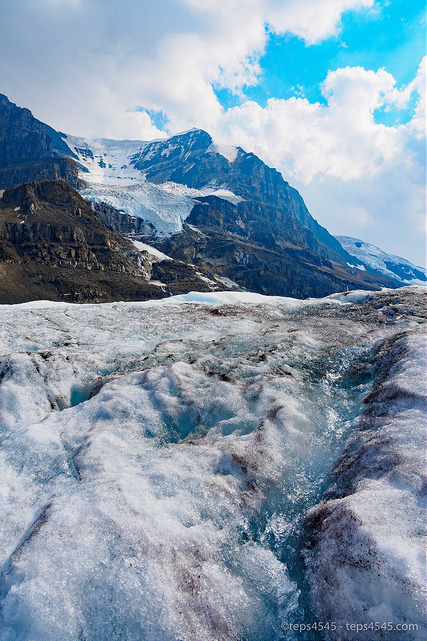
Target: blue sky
392 35
330 92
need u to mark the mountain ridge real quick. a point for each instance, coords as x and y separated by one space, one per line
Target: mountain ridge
238 205
390 265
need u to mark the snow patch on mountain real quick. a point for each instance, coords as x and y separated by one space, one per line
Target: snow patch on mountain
155 253
389 265
228 151
107 168
223 193
164 206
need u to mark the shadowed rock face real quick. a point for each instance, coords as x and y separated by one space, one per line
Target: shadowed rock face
31 150
268 267
122 223
190 160
53 246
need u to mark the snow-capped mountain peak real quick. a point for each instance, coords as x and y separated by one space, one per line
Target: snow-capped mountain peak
375 259
115 172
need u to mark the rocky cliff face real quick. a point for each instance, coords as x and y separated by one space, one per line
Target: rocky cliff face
257 222
122 223
53 246
195 160
31 150
50 169
265 268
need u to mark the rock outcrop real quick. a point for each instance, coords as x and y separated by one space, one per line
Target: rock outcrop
122 223
53 246
31 150
267 268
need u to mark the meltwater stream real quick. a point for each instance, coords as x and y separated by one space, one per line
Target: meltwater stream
160 459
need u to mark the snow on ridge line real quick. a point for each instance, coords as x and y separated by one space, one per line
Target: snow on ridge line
228 298
228 151
106 161
376 251
378 259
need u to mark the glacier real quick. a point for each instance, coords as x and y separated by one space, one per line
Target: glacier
218 467
108 170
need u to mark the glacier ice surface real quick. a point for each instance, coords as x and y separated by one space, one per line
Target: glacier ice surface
159 460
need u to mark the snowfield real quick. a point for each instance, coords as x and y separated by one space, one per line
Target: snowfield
213 467
165 206
107 168
390 265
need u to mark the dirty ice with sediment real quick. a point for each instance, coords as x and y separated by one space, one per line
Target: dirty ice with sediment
212 466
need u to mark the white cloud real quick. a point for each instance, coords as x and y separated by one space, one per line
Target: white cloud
340 139
418 122
358 177
86 68
165 55
312 20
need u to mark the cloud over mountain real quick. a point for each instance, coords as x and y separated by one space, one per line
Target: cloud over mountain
143 70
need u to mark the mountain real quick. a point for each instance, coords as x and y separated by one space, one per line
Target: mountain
31 150
217 210
53 246
375 259
268 209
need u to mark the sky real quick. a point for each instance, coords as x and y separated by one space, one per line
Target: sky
329 92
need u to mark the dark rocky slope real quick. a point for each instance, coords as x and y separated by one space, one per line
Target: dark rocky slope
52 246
122 223
265 269
31 150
